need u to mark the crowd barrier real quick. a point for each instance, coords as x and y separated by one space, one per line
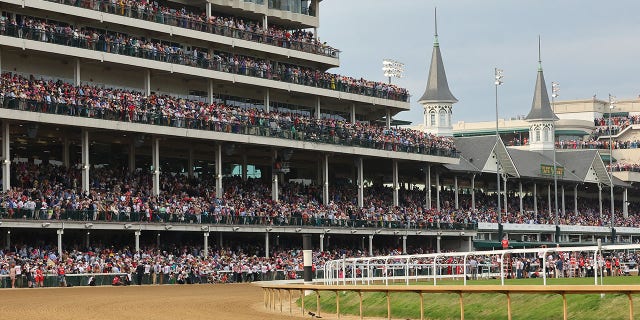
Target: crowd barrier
109 216
264 127
106 279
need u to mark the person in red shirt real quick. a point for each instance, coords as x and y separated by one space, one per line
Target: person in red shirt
505 243
61 276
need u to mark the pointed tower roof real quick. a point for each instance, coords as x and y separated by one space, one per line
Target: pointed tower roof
540 108
437 85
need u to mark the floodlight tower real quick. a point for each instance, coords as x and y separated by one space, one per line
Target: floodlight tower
392 68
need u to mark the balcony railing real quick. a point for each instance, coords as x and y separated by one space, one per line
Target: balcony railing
184 21
263 126
312 79
288 221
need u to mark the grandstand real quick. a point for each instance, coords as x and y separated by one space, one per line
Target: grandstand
224 121
150 123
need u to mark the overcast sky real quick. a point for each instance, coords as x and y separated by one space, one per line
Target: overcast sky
589 47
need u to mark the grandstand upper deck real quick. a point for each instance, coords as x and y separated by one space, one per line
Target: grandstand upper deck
216 28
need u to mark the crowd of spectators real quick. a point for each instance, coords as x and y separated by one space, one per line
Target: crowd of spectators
217 23
27 265
620 166
51 192
55 96
167 51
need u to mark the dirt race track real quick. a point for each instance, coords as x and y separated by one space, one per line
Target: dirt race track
219 302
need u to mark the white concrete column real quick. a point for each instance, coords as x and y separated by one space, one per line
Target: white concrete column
322 242
563 203
266 245
84 140
132 156
218 154
325 179
549 198
353 113
6 156
625 203
535 199
274 178
404 244
575 199
470 244
66 159
147 82
267 100
438 190
473 192
60 232
245 168
388 118
208 9
600 198
265 22
371 245
155 161
318 110
521 196
8 244
394 169
205 252
137 237
190 163
455 192
360 183
428 188
76 72
438 240
210 91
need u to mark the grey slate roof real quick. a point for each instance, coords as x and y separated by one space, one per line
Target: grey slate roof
476 150
579 161
541 108
437 86
528 164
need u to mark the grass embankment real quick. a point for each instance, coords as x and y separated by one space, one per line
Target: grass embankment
486 306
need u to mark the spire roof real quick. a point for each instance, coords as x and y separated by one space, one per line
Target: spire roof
540 108
437 86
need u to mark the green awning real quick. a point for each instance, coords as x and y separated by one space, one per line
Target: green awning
605 158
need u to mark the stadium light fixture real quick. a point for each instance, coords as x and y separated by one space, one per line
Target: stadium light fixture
236 228
46 224
269 229
88 225
353 231
168 227
392 68
378 231
298 229
327 230
128 226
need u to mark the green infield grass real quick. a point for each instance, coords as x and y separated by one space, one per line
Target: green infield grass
487 306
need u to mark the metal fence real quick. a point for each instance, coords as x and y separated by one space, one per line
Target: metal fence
458 265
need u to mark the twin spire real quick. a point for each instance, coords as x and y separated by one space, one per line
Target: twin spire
437 86
540 107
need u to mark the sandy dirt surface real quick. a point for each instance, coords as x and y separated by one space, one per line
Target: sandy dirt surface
220 302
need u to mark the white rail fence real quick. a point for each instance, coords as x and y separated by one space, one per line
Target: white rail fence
488 264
